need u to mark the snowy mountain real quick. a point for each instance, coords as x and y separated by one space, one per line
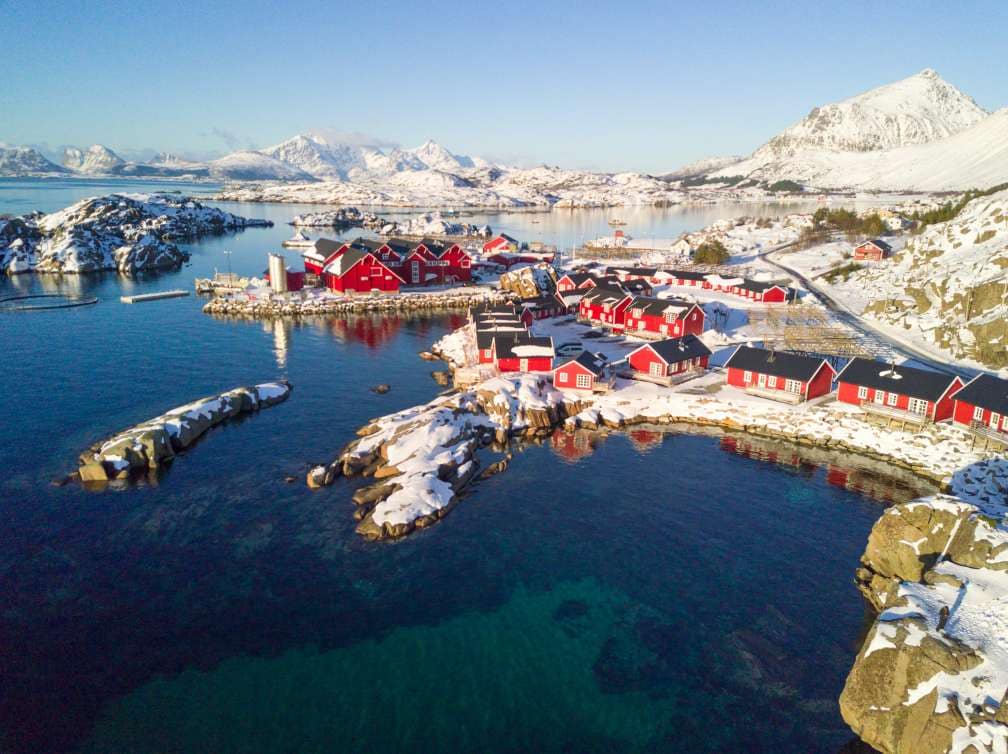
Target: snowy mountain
702 167
876 140
315 156
20 161
436 157
255 166
95 160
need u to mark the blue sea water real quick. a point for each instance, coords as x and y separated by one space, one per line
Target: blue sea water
636 592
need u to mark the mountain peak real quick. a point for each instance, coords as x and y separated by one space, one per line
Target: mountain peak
929 73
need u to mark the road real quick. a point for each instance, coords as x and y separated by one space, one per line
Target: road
845 315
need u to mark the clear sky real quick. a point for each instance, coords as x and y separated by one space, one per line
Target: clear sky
635 85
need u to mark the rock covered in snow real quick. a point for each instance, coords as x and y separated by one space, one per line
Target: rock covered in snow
154 442
128 233
344 217
434 224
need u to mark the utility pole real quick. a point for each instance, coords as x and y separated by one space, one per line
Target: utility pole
230 277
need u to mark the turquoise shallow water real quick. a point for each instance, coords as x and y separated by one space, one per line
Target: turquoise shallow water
659 593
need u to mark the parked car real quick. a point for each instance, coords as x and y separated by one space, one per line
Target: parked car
569 349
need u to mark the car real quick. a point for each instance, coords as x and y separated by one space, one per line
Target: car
569 349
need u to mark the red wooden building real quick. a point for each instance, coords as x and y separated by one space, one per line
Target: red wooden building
874 250
689 278
541 307
768 293
522 352
669 358
604 305
324 250
898 391
499 243
779 375
665 317
588 372
355 269
982 405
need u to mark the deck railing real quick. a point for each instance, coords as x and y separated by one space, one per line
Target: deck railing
784 396
981 429
891 412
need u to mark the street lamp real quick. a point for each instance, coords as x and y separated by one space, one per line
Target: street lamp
230 278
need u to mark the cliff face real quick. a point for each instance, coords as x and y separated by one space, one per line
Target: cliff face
933 672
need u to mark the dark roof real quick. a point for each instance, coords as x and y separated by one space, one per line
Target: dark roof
986 391
488 308
602 292
577 277
791 366
674 350
644 271
485 337
758 287
325 246
637 286
594 362
505 342
658 306
688 274
886 248
916 383
546 301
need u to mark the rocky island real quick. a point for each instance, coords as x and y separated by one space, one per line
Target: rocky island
128 233
155 442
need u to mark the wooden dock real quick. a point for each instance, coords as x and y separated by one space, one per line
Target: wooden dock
141 297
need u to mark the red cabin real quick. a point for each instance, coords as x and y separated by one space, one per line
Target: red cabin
669 358
571 281
899 392
779 375
522 352
356 269
502 242
982 405
874 250
586 372
666 317
768 293
456 264
605 305
321 253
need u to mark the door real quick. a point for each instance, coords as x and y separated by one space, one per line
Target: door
523 365
918 406
880 397
415 271
995 420
762 380
656 369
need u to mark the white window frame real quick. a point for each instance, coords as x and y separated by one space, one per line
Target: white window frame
793 386
978 413
862 393
995 420
761 380
747 377
583 381
880 397
656 369
893 399
918 406
771 381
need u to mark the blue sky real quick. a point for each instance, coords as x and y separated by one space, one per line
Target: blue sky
641 86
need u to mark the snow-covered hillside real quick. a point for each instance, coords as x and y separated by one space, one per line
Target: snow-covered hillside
95 160
254 166
20 161
948 287
703 167
920 133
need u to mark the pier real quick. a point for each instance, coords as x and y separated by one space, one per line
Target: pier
141 297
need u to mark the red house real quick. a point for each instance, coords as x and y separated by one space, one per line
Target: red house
898 392
456 264
768 293
485 335
874 250
355 269
586 372
571 281
522 352
666 359
657 316
689 278
541 307
605 305
502 242
982 406
779 375
323 251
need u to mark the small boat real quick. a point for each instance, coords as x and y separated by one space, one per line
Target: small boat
615 221
298 239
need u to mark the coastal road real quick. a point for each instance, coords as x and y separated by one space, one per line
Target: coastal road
858 323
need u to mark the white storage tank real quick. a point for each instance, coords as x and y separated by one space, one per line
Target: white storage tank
278 273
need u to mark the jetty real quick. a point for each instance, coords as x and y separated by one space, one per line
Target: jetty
157 296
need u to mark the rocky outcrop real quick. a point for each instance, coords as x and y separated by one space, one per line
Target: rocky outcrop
128 234
529 282
310 303
156 442
344 217
932 674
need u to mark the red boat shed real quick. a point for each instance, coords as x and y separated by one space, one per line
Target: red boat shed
321 253
874 250
779 375
668 317
605 305
522 352
670 357
587 372
898 389
982 404
503 242
357 270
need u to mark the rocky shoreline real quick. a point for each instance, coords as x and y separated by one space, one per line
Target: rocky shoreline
150 445
265 305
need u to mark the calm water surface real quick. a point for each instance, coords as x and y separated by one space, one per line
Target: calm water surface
641 592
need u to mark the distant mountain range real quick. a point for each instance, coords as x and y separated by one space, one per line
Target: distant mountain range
920 133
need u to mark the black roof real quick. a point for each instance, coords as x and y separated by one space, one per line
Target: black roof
577 277
791 366
688 274
911 381
658 306
547 300
326 246
602 292
488 308
674 350
484 338
880 243
505 342
986 391
637 286
594 362
645 271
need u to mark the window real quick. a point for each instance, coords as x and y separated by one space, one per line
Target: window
669 316
656 369
978 413
862 393
918 406
584 381
747 377
880 396
561 377
772 382
638 313
793 386
693 315
892 399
